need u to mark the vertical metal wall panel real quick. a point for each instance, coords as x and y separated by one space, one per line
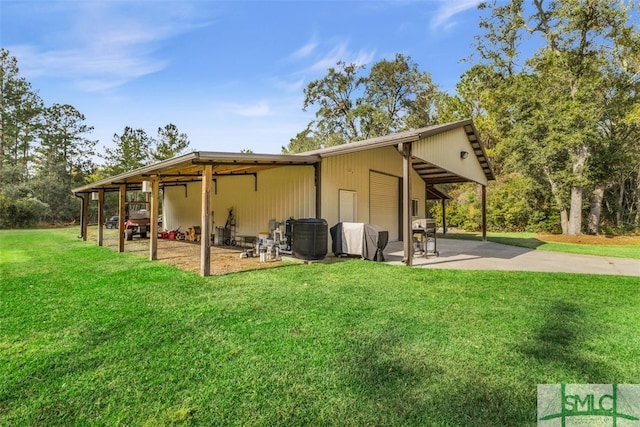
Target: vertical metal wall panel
181 206
444 149
418 191
281 193
351 172
287 191
384 203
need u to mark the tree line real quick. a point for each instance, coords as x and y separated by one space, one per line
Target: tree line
552 88
45 151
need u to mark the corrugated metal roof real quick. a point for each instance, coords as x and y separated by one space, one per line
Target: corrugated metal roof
429 173
188 167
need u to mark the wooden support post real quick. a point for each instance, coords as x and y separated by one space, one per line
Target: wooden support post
153 238
317 171
484 213
100 216
407 234
122 200
85 216
444 218
205 222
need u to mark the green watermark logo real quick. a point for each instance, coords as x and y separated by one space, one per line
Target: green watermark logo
568 405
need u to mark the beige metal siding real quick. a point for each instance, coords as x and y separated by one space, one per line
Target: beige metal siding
351 172
384 202
181 206
281 193
444 149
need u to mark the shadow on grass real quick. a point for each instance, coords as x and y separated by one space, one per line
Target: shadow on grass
412 388
559 341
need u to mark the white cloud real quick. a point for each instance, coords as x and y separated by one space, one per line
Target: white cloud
90 70
304 51
258 109
341 52
288 85
448 10
102 45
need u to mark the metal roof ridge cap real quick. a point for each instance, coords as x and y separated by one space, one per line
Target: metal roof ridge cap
365 144
445 127
212 155
404 136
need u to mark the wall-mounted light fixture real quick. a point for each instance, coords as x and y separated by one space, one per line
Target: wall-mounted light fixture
94 195
147 187
464 155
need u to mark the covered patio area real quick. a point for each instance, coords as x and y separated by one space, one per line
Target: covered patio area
485 255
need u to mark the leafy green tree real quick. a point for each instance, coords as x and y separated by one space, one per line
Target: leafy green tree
63 159
401 95
20 120
170 143
20 113
550 113
393 96
131 150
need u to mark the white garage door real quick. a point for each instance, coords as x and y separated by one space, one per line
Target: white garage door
384 202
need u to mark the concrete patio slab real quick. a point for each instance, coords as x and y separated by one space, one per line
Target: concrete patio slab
474 255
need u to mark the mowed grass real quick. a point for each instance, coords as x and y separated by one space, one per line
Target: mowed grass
531 241
92 337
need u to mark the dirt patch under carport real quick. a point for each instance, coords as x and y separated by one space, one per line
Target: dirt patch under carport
186 255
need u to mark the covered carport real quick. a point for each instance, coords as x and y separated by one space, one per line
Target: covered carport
440 155
203 167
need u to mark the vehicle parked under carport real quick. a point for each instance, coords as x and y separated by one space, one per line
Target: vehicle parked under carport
138 223
112 222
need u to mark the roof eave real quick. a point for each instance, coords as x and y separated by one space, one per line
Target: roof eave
145 170
200 157
387 140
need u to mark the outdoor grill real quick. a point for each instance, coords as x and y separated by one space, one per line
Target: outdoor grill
424 237
356 238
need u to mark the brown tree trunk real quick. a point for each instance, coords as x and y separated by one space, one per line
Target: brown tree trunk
575 213
620 203
564 217
564 221
593 227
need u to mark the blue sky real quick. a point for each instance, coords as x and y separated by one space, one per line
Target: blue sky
229 74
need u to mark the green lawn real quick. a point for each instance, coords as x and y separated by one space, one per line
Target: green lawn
529 240
93 337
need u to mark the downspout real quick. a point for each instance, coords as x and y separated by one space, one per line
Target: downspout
82 219
317 171
444 218
484 213
85 215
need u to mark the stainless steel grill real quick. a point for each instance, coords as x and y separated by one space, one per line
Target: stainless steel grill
424 237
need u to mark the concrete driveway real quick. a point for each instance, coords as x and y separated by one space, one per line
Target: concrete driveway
473 255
